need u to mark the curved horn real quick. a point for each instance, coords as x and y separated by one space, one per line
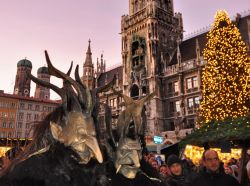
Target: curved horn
70 68
146 98
106 87
85 92
58 90
65 82
108 118
127 100
55 72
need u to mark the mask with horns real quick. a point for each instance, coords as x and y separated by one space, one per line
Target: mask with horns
128 145
75 128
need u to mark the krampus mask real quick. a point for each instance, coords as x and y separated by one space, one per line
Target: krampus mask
127 146
75 128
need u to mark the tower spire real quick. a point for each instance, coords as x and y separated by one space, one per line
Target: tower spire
88 60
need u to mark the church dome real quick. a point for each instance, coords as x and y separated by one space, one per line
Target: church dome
24 63
43 70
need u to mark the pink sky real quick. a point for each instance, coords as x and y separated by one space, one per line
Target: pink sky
63 27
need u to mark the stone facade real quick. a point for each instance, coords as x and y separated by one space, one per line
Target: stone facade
19 114
156 58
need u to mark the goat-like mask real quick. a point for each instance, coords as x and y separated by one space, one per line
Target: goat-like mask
128 152
75 128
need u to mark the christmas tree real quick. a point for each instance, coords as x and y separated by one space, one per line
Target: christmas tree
225 78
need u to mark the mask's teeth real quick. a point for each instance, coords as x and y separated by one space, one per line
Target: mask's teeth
117 170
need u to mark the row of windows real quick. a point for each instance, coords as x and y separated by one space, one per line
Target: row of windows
191 82
6 134
19 125
192 102
170 126
13 134
113 103
35 107
7 104
6 124
28 116
10 115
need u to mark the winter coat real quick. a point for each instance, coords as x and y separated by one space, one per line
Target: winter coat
177 181
55 167
206 178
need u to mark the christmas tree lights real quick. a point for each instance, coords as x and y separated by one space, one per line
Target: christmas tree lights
225 78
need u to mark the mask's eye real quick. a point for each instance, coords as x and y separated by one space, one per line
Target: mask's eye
131 130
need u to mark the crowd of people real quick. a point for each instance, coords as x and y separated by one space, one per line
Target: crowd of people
210 172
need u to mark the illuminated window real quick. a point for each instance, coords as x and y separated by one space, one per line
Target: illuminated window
190 102
189 83
195 81
196 101
176 86
177 106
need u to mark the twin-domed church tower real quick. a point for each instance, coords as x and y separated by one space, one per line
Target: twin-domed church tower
22 83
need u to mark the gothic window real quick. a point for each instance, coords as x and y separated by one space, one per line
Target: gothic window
170 87
134 92
195 81
196 102
177 106
190 102
171 107
176 86
189 83
144 90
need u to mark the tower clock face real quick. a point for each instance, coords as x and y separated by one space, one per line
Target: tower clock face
26 91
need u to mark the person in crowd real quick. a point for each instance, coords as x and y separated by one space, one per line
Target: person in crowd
155 165
228 170
176 176
164 172
213 174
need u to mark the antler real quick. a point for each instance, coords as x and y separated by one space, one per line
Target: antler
88 103
59 74
58 90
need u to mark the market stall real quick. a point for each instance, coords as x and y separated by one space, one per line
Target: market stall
230 138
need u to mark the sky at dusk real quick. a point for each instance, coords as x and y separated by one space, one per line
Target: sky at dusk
63 27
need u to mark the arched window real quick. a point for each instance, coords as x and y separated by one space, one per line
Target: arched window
134 92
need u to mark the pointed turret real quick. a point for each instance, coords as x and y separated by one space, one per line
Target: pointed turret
88 69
